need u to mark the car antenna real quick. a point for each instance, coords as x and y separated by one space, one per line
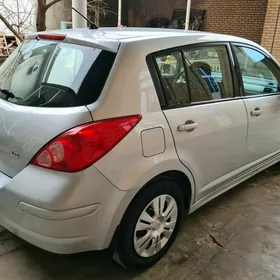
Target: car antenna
91 24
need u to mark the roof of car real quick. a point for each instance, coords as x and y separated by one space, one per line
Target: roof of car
131 33
110 38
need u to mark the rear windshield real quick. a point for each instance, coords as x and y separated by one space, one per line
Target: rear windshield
50 74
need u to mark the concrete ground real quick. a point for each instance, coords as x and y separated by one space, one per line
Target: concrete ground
235 237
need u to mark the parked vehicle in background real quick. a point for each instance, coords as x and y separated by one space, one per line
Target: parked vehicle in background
108 137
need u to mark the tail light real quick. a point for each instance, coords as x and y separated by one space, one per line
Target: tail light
82 146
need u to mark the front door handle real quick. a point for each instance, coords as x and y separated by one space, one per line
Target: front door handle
257 112
188 126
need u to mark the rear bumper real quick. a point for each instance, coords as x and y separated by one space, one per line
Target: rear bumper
61 213
52 244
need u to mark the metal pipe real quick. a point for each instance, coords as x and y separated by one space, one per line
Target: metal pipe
188 13
120 13
77 20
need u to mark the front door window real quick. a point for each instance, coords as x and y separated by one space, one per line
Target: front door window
259 74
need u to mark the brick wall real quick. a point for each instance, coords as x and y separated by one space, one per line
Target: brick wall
271 32
243 18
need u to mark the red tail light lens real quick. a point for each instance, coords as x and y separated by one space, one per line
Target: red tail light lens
54 37
82 146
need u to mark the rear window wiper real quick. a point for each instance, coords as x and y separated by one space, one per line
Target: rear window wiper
7 93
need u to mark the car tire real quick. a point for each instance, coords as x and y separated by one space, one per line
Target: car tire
147 232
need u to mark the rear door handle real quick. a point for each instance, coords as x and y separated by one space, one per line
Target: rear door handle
257 112
188 126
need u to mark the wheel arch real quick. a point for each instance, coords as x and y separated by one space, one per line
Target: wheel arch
185 183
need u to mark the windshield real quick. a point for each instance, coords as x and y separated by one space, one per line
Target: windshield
50 74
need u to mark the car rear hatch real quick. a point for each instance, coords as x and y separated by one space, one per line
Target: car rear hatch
45 87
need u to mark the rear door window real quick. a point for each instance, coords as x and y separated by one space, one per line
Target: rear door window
209 66
52 74
195 74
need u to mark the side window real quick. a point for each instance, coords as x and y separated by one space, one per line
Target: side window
259 74
209 73
173 77
195 75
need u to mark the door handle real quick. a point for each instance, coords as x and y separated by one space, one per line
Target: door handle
257 112
188 126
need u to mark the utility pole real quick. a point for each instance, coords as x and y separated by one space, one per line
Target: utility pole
188 13
77 20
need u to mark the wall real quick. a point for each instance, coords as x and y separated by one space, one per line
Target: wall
60 11
244 18
271 32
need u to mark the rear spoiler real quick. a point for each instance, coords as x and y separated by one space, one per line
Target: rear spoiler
98 43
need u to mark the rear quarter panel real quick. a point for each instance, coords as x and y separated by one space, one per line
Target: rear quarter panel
130 90
126 166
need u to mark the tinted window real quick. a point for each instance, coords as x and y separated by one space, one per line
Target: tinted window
195 75
209 73
50 74
259 74
173 78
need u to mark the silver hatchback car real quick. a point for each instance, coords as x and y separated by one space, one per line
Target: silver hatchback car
108 137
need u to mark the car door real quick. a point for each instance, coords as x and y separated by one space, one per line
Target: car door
259 77
208 120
